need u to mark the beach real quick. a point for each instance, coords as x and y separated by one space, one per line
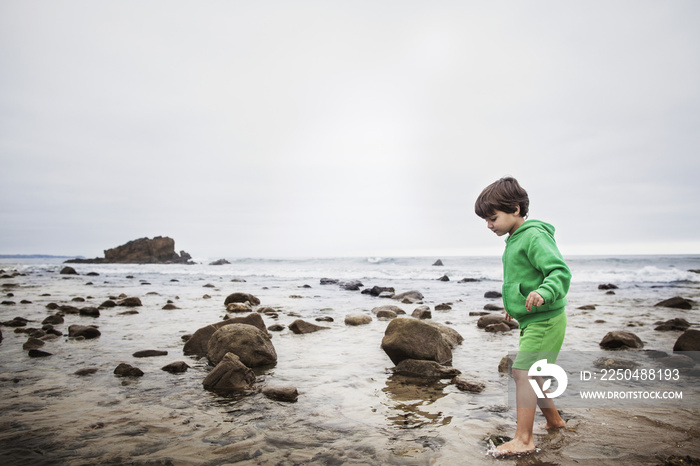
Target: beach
351 408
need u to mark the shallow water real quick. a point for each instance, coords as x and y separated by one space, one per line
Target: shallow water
351 409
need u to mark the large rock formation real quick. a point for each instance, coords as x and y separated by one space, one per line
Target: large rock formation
159 250
406 338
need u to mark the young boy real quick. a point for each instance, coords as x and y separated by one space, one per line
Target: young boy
535 282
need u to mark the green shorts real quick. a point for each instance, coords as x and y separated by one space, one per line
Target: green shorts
540 340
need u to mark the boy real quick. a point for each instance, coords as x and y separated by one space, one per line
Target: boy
535 282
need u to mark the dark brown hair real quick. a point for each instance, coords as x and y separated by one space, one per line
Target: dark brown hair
505 195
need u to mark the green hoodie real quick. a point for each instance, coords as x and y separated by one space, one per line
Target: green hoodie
532 262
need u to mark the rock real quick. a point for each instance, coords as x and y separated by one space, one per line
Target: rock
443 307
36 353
238 280
469 280
159 250
386 314
301 327
68 271
423 368
92 274
241 298
16 322
169 307
130 302
422 312
69 309
608 286
127 370
78 299
149 353
488 319
220 262
357 319
390 308
329 281
379 290
444 278
86 331
32 343
688 341
438 263
610 363
467 385
90 312
249 343
230 374
493 294
85 371
276 328
53 320
324 319
620 339
478 313
176 367
198 343
492 307
506 364
238 307
417 339
678 361
352 285
411 296
108 303
673 324
285 393
499 327
587 307
676 302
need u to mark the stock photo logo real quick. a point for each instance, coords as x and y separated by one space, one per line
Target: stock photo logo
543 369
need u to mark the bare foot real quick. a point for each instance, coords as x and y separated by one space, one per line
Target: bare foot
512 448
554 425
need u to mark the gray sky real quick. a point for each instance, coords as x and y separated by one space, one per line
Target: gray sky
296 128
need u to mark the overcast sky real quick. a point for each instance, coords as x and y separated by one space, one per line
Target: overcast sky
329 128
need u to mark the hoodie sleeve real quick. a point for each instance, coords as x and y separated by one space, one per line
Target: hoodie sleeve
545 257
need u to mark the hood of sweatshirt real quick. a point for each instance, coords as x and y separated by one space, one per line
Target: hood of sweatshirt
545 227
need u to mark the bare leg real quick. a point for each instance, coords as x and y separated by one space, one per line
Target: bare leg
550 412
525 400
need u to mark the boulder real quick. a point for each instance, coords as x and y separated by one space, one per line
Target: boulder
241 298
16 322
488 319
498 327
505 365
249 343
673 324
587 307
159 250
619 339
443 307
386 314
176 367
388 307
352 285
493 294
238 307
329 281
230 374
127 370
37 353
492 307
357 319
676 302
220 262
300 327
607 286
467 385
149 353
32 343
426 369
85 331
90 312
411 297
198 343
130 302
438 263
417 339
379 290
286 393
469 280
108 303
688 341
68 271
170 307
422 312
444 278
53 320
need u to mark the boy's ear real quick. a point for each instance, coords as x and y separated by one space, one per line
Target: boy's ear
517 210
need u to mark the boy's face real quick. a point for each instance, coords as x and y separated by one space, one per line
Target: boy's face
501 222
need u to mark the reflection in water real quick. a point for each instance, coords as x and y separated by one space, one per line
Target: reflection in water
409 398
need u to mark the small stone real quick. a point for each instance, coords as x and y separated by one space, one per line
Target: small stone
176 367
127 370
149 353
285 393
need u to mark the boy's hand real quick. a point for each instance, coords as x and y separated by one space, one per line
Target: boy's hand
508 317
533 299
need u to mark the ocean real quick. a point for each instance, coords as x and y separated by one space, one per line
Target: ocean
351 408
